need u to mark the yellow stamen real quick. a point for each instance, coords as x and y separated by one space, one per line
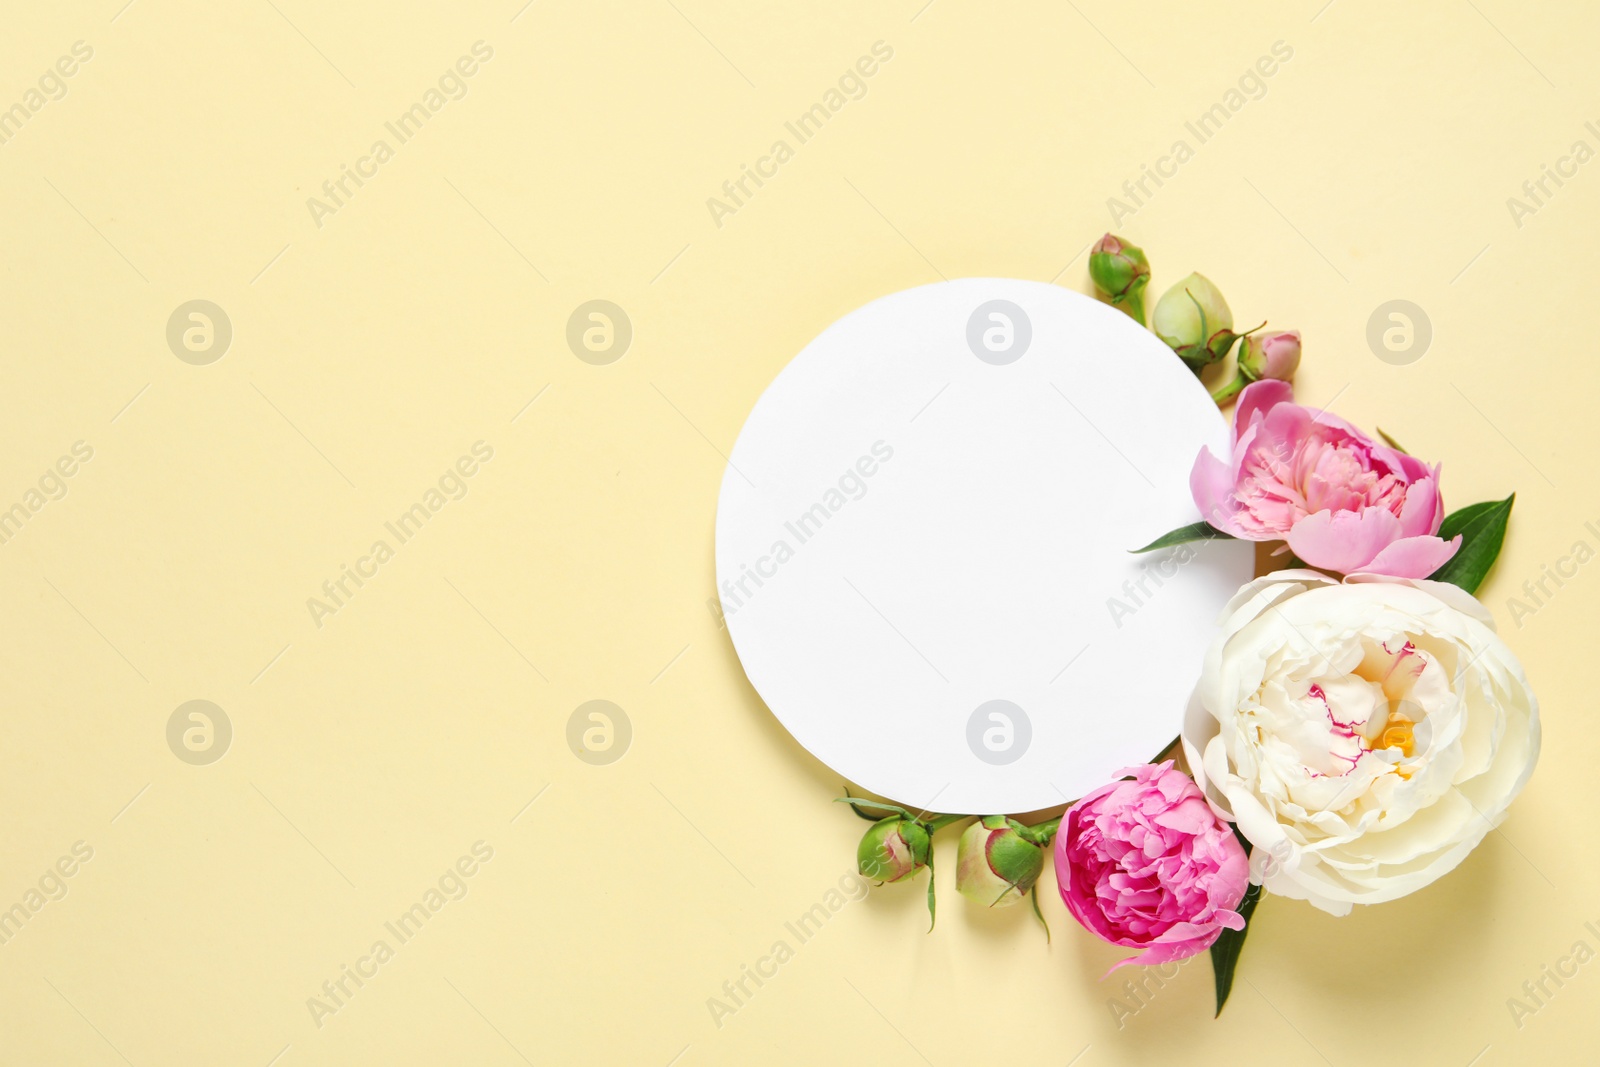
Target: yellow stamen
1399 733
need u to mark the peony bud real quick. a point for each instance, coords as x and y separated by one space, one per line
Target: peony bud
1271 355
1195 322
892 849
897 846
996 862
1120 272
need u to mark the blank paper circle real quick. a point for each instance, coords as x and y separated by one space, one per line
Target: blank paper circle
923 544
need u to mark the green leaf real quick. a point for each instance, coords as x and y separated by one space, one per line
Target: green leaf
1391 442
1483 530
1195 531
1226 948
1037 914
932 912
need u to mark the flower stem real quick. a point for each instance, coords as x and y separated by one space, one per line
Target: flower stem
1226 393
1040 835
1133 304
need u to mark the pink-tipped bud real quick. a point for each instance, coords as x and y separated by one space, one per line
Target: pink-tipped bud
1263 355
1120 272
893 849
1270 355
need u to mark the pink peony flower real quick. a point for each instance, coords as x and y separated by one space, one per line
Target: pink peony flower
1344 502
1146 864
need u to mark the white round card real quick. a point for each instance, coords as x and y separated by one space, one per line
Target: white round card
923 545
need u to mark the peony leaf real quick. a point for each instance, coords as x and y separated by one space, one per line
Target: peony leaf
1040 915
1226 948
1195 531
1483 530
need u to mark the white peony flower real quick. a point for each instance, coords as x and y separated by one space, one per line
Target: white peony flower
1365 735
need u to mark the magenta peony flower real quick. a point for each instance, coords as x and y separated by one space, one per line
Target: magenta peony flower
1146 864
1344 502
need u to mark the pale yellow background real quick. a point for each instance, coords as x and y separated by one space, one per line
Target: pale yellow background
370 353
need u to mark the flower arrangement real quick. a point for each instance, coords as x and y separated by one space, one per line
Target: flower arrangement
1358 726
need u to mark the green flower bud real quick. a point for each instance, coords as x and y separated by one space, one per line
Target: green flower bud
1195 322
897 846
1120 272
893 848
998 860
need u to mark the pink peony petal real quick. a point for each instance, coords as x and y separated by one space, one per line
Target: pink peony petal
1256 399
1191 817
1413 468
1344 541
1413 557
1211 484
1423 510
1164 952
